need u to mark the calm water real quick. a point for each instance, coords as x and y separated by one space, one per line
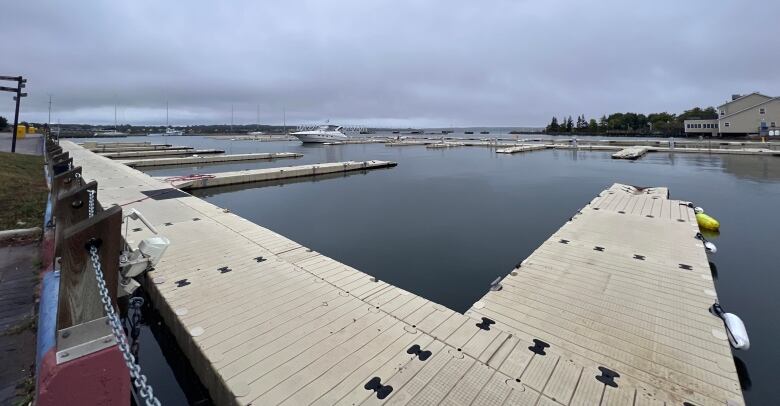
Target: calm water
445 223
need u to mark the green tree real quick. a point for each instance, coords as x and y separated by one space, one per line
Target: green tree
603 123
553 126
3 122
593 126
569 124
698 113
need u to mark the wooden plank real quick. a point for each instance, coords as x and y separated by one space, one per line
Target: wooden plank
71 208
79 298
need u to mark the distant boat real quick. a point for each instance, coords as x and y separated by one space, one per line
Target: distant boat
484 132
469 132
109 133
170 131
323 133
256 133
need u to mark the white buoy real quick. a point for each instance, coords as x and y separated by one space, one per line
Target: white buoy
698 210
710 247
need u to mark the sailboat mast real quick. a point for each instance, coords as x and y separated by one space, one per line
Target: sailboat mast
114 116
258 118
166 114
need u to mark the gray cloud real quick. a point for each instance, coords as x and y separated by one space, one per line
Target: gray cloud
384 62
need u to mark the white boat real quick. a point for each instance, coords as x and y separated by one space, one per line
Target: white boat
169 131
322 134
110 133
173 131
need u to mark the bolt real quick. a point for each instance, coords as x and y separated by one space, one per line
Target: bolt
65 354
65 334
77 204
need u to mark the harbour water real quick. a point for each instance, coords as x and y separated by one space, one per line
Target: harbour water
445 223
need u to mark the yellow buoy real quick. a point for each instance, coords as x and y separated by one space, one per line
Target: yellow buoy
706 222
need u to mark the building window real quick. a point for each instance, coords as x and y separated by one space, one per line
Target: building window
727 124
722 113
716 125
688 126
772 124
761 111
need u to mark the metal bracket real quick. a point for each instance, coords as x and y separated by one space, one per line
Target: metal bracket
83 339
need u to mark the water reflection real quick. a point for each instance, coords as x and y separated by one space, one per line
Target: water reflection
742 372
755 168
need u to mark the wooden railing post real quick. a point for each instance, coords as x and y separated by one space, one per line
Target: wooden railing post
60 163
79 300
65 182
70 208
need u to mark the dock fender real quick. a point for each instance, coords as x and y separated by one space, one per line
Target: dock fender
735 328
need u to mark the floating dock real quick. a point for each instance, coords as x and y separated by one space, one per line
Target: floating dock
521 148
611 310
445 145
197 160
105 149
142 154
201 181
622 289
631 153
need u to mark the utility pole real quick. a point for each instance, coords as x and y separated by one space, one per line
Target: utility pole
20 84
49 111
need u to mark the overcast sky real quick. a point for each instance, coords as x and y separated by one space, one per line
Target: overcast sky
383 63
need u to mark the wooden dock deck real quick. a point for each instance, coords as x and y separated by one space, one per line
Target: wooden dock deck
265 321
198 160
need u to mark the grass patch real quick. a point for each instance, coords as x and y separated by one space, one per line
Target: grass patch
23 191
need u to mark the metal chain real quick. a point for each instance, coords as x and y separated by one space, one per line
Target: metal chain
139 379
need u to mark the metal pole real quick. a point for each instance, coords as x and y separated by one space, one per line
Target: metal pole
16 113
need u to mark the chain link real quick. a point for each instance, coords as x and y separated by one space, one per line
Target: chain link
139 379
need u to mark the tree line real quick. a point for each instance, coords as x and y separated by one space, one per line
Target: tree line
668 124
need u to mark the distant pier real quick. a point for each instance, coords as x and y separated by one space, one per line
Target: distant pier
197 160
272 174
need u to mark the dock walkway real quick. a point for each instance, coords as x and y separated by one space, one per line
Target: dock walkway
625 285
198 160
159 153
265 320
272 174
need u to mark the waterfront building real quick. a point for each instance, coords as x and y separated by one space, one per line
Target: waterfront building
752 114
